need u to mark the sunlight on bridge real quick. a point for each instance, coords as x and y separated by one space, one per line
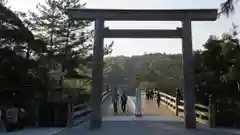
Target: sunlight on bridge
149 107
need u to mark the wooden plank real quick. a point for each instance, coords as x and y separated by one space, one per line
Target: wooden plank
201 106
180 107
171 97
143 15
201 121
113 33
202 113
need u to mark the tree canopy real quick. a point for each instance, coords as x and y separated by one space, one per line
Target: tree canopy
36 44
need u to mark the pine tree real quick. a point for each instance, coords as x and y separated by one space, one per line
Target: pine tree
66 39
69 43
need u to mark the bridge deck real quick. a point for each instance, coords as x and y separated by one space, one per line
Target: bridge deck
149 107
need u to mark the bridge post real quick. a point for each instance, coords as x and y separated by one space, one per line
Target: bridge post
188 82
97 75
211 112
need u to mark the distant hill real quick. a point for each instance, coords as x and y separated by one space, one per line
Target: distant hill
163 71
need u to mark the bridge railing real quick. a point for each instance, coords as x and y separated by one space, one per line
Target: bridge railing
81 112
203 113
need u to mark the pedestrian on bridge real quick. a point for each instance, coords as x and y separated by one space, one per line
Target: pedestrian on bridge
152 94
123 102
107 88
147 94
158 96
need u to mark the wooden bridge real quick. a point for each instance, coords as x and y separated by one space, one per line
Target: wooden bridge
155 120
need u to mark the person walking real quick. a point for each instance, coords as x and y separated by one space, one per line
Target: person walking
158 96
147 94
107 88
152 94
123 102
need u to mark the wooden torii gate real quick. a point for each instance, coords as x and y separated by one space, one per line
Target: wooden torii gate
185 33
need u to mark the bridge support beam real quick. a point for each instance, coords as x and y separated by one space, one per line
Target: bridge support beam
188 81
97 75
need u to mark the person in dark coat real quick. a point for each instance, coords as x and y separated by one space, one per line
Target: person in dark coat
158 96
152 94
123 102
147 94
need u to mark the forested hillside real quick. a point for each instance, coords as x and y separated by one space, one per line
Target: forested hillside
216 69
163 71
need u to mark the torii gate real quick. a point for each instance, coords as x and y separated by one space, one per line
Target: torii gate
185 33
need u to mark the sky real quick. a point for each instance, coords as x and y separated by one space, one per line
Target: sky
129 47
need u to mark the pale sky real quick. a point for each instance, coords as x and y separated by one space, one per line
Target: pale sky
128 47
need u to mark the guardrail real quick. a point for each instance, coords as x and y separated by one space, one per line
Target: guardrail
81 112
204 114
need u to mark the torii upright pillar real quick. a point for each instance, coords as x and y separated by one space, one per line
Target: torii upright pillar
188 81
97 75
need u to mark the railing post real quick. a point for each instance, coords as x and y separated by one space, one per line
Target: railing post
212 112
177 100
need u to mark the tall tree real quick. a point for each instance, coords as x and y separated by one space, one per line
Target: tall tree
69 41
17 71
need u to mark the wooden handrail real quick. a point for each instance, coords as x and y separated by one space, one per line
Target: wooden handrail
83 110
166 95
202 111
